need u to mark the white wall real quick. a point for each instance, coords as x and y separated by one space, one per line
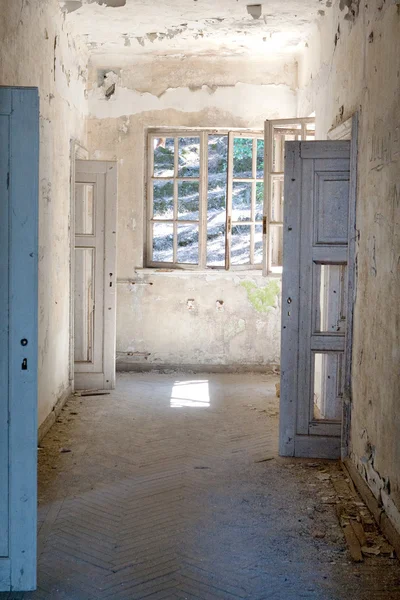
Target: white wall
155 326
352 62
36 51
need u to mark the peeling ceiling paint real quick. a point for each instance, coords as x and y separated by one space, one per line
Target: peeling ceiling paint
183 27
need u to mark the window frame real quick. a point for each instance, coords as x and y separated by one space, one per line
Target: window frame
203 134
267 223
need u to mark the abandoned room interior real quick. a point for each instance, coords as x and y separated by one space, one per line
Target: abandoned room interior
200 282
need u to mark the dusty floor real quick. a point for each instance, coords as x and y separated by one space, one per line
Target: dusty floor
171 488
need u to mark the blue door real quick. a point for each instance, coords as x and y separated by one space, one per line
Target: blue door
19 152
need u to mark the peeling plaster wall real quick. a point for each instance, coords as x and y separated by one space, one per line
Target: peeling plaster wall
36 51
353 62
160 324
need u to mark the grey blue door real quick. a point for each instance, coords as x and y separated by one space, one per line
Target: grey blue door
314 297
19 152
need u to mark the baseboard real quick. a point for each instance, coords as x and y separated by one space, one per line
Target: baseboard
52 416
168 368
377 510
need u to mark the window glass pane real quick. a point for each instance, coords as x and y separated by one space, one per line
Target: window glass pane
277 199
188 244
331 301
259 200
163 157
241 201
242 157
216 199
84 210
258 245
240 245
189 157
260 159
163 199
188 200
84 304
163 246
275 245
327 386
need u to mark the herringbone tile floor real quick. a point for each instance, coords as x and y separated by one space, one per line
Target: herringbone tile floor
171 488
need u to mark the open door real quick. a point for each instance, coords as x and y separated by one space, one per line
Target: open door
94 274
19 159
314 297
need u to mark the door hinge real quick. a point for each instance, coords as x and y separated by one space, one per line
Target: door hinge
229 224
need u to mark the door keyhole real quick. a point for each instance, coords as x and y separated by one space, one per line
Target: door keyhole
24 365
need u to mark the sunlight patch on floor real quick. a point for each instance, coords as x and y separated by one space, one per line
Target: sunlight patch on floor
194 394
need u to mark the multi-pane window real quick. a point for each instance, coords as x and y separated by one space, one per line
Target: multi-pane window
206 202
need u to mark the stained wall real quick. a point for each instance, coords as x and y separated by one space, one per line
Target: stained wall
36 51
352 62
156 325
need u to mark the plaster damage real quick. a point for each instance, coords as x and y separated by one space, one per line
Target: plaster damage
154 325
58 66
191 64
360 70
193 27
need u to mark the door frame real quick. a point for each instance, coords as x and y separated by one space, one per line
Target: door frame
105 379
77 152
348 130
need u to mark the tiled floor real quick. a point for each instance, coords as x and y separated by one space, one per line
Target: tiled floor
171 488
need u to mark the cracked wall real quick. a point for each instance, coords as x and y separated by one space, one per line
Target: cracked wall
155 324
36 51
353 63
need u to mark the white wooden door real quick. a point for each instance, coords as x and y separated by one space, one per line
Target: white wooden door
314 297
94 267
19 157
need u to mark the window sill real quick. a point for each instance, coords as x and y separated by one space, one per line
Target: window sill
154 271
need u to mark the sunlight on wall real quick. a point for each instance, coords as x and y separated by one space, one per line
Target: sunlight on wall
194 394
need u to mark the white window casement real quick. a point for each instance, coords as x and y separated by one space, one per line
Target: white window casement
206 203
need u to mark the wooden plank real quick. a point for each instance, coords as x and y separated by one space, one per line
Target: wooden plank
110 276
310 446
24 170
359 531
328 255
304 393
351 287
290 301
4 299
327 343
352 543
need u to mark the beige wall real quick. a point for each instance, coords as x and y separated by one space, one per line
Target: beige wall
353 63
35 51
154 324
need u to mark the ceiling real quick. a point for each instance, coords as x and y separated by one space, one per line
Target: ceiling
184 27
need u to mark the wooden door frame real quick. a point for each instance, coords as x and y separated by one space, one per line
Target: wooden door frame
77 152
109 170
349 130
